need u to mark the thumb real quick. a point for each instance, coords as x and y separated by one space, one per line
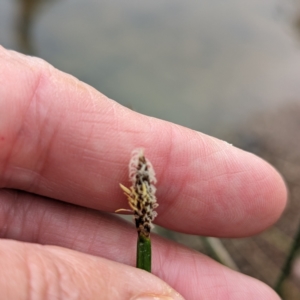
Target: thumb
31 271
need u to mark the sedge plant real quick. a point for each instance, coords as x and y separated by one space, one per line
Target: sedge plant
142 202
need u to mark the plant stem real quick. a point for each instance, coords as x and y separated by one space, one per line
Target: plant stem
218 252
143 254
288 263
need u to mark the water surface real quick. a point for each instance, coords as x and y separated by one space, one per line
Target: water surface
208 65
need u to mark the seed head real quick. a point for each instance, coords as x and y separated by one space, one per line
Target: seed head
141 195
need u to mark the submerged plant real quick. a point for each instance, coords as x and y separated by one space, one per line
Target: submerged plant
142 201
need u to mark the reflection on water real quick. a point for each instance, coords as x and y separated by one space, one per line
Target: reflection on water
27 10
228 68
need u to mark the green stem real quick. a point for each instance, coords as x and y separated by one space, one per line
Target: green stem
143 254
288 263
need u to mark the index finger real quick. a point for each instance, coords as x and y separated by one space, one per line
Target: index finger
61 138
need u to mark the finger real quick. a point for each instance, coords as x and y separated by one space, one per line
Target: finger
28 218
37 272
62 139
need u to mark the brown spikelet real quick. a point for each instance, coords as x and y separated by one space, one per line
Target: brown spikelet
141 195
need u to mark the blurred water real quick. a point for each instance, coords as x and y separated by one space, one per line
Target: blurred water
204 64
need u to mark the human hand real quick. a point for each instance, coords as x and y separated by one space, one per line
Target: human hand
60 139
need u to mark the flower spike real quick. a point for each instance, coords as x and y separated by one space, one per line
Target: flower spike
142 201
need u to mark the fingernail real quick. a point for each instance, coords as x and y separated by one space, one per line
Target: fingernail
157 297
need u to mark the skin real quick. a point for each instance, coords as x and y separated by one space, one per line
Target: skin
64 149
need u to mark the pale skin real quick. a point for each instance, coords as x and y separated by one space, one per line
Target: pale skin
61 139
